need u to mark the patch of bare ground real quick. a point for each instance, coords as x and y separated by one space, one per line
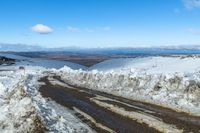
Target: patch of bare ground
38 126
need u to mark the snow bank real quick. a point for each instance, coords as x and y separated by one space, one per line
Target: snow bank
17 113
2 90
55 117
178 87
23 109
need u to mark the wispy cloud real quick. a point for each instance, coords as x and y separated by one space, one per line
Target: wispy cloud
73 29
89 30
190 4
106 28
194 31
42 29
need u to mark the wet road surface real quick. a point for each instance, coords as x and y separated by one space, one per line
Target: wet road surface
108 113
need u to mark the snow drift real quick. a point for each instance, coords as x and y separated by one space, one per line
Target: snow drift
24 110
173 64
168 81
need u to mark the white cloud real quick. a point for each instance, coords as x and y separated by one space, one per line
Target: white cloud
190 4
42 29
73 29
194 31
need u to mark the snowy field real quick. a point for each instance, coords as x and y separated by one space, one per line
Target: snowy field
168 81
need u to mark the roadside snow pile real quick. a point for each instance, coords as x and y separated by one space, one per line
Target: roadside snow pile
55 118
16 111
177 87
24 110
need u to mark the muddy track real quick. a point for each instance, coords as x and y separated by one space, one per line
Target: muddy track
87 106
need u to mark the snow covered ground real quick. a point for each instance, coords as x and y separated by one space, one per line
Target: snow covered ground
23 109
17 114
25 61
169 81
151 65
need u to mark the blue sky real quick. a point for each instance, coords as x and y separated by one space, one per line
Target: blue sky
100 23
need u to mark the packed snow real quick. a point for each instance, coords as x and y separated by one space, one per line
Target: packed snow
168 81
17 114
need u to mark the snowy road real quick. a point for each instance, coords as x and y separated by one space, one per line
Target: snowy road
108 113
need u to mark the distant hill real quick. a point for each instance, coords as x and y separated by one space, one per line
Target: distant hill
19 47
179 49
